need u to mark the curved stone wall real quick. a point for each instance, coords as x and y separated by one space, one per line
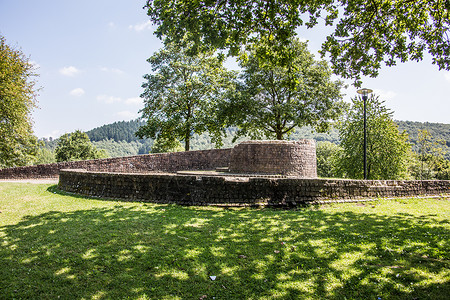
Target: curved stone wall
239 191
294 158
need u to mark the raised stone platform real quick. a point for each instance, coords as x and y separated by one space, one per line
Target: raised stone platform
293 158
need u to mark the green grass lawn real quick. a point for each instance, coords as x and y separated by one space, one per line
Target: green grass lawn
59 246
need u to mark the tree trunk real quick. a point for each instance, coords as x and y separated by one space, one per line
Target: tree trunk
187 134
279 135
187 141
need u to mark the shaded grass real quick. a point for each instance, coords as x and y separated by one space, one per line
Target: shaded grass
55 245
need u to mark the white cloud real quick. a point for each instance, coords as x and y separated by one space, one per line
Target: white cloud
111 25
134 101
108 99
69 71
78 92
447 76
127 115
142 26
111 99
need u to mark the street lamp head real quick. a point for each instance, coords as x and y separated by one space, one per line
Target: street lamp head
364 92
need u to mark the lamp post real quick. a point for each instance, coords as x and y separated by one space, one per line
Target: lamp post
365 92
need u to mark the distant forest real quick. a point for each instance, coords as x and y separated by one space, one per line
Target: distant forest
118 138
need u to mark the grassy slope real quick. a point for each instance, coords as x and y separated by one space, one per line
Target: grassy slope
56 245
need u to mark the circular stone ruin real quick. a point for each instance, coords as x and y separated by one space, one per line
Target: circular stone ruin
291 158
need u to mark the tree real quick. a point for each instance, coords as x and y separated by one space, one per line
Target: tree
442 169
327 154
366 33
431 162
275 97
388 150
181 96
77 146
18 145
44 156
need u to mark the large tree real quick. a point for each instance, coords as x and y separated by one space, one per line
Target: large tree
181 95
366 33
277 95
77 146
388 150
18 145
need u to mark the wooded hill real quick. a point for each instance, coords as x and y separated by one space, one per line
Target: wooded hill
119 140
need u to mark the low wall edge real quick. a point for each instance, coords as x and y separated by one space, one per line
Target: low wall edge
237 191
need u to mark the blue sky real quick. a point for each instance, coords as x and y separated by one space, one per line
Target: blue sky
91 57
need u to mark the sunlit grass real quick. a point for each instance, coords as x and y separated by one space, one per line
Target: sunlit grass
53 245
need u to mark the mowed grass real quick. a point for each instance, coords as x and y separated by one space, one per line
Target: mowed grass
59 246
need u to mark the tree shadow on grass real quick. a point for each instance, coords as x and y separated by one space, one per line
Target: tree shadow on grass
170 252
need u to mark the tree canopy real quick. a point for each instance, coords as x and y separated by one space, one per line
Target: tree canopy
18 145
366 33
388 150
76 146
181 96
277 96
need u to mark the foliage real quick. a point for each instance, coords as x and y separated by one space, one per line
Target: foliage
442 168
119 138
438 133
181 96
327 154
49 143
44 156
388 150
18 145
430 162
276 97
366 33
117 131
60 245
124 148
163 145
307 132
77 146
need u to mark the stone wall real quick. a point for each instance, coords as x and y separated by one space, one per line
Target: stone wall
223 190
161 162
293 158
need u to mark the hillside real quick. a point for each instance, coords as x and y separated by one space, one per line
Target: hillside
438 131
117 131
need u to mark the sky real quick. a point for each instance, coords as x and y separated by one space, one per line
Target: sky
91 58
